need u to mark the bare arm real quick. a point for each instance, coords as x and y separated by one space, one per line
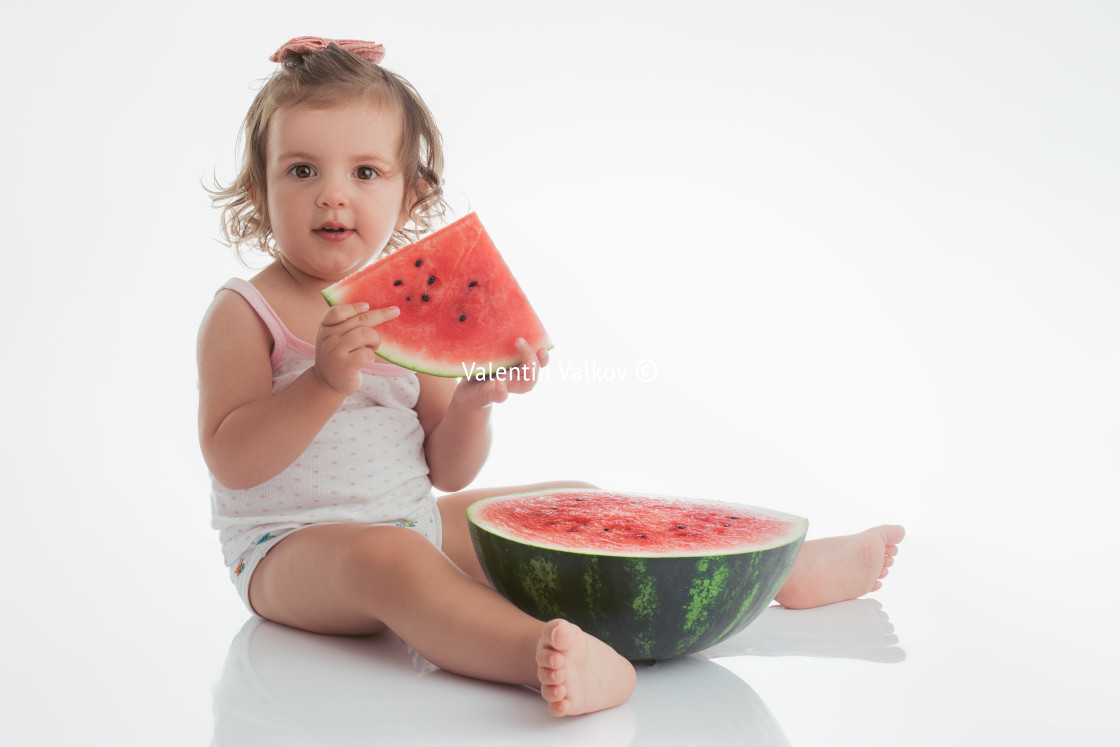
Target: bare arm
456 419
457 439
247 433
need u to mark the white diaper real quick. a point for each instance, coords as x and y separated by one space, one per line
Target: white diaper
241 573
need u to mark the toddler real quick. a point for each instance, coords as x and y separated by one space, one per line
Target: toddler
324 458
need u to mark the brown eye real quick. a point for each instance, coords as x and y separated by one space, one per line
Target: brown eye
302 171
365 173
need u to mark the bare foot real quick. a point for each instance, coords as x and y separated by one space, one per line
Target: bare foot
579 673
834 569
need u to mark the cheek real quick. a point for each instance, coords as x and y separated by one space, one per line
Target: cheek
280 201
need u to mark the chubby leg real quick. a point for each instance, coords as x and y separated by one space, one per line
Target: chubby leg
345 579
835 569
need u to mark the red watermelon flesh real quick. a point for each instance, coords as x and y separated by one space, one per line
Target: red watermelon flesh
635 524
461 308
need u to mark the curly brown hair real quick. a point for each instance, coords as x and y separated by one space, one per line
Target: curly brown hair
326 78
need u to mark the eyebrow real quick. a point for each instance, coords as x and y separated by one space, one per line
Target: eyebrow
301 156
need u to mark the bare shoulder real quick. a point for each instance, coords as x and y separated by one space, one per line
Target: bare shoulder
230 319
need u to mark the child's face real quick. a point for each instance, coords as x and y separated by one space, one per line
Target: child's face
335 191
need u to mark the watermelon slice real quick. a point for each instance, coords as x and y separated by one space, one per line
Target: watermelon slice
652 576
461 308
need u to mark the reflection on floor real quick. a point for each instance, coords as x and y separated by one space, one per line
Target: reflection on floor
858 629
283 686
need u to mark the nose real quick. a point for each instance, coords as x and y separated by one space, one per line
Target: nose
333 193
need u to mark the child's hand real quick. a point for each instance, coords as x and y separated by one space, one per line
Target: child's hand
475 393
346 342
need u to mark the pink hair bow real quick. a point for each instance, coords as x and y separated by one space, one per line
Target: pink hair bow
371 51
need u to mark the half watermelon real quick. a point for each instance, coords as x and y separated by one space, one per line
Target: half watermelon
461 308
652 576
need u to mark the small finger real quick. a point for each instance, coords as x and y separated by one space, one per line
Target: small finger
379 316
364 355
528 357
360 338
338 314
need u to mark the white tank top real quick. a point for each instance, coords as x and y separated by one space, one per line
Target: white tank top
366 465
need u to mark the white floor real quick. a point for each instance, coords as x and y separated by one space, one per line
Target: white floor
964 646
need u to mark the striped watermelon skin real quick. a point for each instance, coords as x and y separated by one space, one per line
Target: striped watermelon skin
645 606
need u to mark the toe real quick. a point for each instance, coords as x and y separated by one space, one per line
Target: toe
893 533
563 634
553 693
548 658
551 677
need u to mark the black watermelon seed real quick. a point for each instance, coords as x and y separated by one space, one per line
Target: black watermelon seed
397 282
424 297
574 529
641 536
734 518
680 526
419 262
606 529
472 283
462 317
431 279
408 298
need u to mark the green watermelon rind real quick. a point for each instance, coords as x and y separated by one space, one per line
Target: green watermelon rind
646 607
459 372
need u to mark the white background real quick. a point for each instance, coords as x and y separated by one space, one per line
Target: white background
868 249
